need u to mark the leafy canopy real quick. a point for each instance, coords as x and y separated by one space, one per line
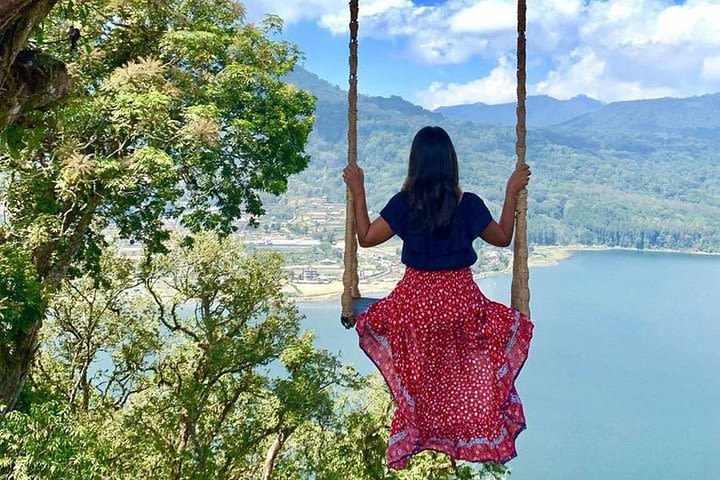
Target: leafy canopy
177 112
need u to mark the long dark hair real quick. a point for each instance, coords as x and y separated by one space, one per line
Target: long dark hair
432 184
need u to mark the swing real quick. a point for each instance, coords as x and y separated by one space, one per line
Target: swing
352 302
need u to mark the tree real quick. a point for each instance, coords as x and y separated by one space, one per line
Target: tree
88 319
216 409
177 111
204 375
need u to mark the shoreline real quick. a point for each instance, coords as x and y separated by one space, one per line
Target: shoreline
541 256
593 248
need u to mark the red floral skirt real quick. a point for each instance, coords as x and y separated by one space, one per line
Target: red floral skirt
450 357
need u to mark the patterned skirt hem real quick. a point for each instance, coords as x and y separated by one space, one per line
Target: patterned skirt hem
403 445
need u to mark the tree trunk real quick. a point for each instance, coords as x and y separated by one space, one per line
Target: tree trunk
272 454
182 444
29 79
15 364
16 358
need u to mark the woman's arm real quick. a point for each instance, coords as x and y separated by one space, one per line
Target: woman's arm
368 234
501 234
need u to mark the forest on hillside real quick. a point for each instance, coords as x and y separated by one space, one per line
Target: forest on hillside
653 182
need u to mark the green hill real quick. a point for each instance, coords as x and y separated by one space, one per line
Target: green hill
642 174
695 116
542 111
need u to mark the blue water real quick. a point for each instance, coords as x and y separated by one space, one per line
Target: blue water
623 377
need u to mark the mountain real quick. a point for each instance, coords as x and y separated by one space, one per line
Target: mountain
542 111
642 174
331 108
331 94
694 116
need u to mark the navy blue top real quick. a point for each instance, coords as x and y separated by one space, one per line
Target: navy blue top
425 251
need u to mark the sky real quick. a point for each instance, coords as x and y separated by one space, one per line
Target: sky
450 52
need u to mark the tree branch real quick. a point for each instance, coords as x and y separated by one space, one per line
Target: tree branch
59 269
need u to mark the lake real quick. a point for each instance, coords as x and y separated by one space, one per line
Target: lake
622 378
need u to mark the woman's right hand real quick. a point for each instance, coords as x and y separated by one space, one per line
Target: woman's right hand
519 179
354 177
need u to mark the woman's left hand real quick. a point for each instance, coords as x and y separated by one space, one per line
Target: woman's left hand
354 177
519 178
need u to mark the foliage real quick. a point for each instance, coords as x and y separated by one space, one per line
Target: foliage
178 111
50 442
93 322
21 300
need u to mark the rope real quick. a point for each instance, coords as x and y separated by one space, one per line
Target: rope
350 276
520 293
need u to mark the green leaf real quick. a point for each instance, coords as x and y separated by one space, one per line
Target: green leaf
14 140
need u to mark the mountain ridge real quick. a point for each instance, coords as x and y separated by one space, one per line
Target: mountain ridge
579 112
654 115
542 110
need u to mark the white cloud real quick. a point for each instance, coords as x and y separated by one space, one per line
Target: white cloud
497 87
484 16
610 49
711 68
584 71
694 22
292 10
334 16
642 48
390 14
641 23
561 8
436 49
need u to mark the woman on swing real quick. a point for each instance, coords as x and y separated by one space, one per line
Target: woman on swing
449 355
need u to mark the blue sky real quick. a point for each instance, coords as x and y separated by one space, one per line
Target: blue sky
447 52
